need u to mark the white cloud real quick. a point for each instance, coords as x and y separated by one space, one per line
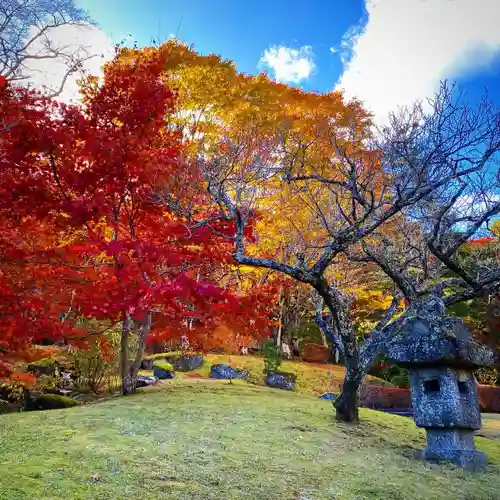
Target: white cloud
407 47
86 40
287 64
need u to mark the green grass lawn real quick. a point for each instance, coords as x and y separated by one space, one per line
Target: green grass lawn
491 426
212 440
312 378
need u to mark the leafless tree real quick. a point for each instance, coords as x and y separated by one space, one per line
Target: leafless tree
422 172
26 35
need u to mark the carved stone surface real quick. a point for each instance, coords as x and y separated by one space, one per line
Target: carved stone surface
428 337
454 445
444 397
441 358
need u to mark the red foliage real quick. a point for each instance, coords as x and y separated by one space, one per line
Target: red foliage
81 231
489 398
378 397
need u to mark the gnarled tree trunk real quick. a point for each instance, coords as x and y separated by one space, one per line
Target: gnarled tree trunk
346 405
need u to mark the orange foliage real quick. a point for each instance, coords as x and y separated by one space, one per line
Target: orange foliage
227 339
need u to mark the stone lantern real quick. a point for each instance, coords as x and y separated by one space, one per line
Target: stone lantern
441 357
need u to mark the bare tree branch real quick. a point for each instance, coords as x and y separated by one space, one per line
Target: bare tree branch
25 24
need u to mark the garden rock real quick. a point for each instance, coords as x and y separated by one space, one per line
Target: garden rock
222 371
147 364
180 362
162 374
37 402
145 381
187 363
330 396
281 380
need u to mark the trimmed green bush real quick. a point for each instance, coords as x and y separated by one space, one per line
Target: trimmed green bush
50 402
163 365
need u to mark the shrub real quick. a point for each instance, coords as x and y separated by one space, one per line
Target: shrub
377 397
401 379
49 402
92 368
6 407
272 360
489 398
47 382
307 331
12 393
163 365
392 373
487 376
12 397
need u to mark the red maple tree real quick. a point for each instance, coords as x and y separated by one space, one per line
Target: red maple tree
84 235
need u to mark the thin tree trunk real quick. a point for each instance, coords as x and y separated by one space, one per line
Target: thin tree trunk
279 333
124 359
143 331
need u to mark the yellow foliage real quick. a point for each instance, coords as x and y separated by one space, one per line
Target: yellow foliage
262 120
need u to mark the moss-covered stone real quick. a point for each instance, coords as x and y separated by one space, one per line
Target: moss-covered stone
49 402
45 366
180 361
163 365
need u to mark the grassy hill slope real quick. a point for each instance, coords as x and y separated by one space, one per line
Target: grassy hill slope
210 440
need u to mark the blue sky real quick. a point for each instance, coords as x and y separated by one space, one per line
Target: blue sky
237 29
385 52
